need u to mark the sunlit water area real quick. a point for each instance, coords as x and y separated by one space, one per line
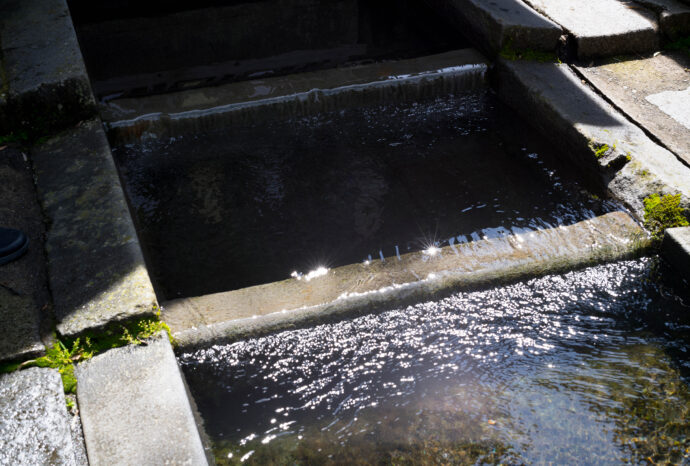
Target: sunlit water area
589 367
250 204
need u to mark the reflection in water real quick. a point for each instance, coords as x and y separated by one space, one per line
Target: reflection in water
250 204
586 367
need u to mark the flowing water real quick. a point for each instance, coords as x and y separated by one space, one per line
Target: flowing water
250 204
590 367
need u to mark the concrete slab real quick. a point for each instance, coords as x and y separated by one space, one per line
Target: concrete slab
295 95
135 408
603 27
24 299
96 268
673 16
653 92
499 23
358 288
34 424
44 77
597 138
676 249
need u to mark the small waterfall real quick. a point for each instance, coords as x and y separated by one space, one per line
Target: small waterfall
392 89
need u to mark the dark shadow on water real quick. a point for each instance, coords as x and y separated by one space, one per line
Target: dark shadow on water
250 205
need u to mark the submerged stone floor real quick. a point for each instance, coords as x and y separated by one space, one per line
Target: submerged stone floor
625 117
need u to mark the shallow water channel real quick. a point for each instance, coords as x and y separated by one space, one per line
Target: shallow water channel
250 204
587 367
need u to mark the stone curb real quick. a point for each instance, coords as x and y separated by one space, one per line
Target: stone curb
135 408
96 268
608 148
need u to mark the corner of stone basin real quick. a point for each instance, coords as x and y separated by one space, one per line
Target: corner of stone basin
675 248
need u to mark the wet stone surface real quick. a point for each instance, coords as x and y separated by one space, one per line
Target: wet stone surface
587 367
250 205
34 424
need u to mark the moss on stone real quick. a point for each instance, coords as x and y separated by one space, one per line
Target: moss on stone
63 355
662 212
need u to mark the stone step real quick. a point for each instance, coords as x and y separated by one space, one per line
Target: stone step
673 16
410 278
95 264
603 27
135 408
43 78
653 91
498 24
34 423
592 133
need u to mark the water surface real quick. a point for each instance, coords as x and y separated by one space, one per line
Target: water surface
589 367
249 205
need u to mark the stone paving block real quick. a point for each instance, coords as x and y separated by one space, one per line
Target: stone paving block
673 16
24 295
34 423
592 133
603 27
652 91
43 73
499 23
96 268
135 408
676 249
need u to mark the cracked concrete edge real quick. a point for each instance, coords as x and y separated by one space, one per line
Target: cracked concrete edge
609 150
96 268
135 408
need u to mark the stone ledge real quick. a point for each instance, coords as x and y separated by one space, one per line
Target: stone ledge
608 148
135 408
364 288
500 23
96 268
34 424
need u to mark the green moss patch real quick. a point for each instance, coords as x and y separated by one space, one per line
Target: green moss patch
64 354
662 212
